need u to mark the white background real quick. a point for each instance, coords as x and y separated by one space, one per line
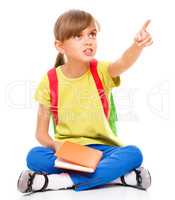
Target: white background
144 100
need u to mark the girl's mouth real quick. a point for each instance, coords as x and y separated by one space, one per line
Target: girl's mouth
88 52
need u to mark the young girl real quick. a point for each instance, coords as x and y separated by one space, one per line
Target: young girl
80 113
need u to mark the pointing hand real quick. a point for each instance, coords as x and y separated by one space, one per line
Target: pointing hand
143 38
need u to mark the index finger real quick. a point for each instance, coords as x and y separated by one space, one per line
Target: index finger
146 24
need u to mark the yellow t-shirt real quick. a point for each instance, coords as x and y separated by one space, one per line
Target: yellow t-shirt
81 117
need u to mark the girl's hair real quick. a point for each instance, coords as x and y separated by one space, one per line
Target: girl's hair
70 24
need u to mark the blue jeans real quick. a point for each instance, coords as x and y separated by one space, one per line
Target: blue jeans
116 162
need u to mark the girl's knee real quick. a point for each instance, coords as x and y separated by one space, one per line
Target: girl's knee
39 157
137 154
32 156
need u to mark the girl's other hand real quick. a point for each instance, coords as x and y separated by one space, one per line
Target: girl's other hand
57 145
143 38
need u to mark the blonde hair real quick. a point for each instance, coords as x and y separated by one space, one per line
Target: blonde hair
69 24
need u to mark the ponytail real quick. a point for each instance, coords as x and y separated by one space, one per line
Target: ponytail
59 60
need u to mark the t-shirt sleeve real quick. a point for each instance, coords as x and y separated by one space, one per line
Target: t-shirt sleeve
42 92
103 70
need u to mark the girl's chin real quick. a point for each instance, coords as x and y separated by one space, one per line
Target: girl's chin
85 58
88 58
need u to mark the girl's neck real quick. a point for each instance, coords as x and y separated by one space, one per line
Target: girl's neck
74 69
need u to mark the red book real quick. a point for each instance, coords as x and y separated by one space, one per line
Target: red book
77 157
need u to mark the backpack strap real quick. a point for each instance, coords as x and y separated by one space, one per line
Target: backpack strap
53 85
103 98
112 114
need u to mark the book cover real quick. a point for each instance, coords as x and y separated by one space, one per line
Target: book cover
77 157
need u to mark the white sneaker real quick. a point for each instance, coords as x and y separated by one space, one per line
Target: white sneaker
143 179
25 181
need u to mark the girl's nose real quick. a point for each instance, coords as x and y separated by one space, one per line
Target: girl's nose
88 43
87 40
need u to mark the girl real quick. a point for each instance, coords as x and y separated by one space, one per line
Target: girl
81 115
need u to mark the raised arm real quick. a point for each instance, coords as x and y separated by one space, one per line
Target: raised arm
128 58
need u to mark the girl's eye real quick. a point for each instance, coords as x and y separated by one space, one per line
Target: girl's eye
77 37
92 35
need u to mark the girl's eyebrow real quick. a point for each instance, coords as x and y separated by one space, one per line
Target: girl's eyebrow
90 31
93 30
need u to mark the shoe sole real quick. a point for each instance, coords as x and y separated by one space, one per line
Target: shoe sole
147 175
22 181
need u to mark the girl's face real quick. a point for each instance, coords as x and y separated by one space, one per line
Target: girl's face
81 47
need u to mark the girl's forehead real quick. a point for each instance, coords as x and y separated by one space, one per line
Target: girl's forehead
90 28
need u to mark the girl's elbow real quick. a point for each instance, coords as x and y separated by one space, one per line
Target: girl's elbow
38 136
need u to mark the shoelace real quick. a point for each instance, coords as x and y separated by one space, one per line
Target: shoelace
138 177
30 182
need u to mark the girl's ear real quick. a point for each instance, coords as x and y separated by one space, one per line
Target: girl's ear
59 46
